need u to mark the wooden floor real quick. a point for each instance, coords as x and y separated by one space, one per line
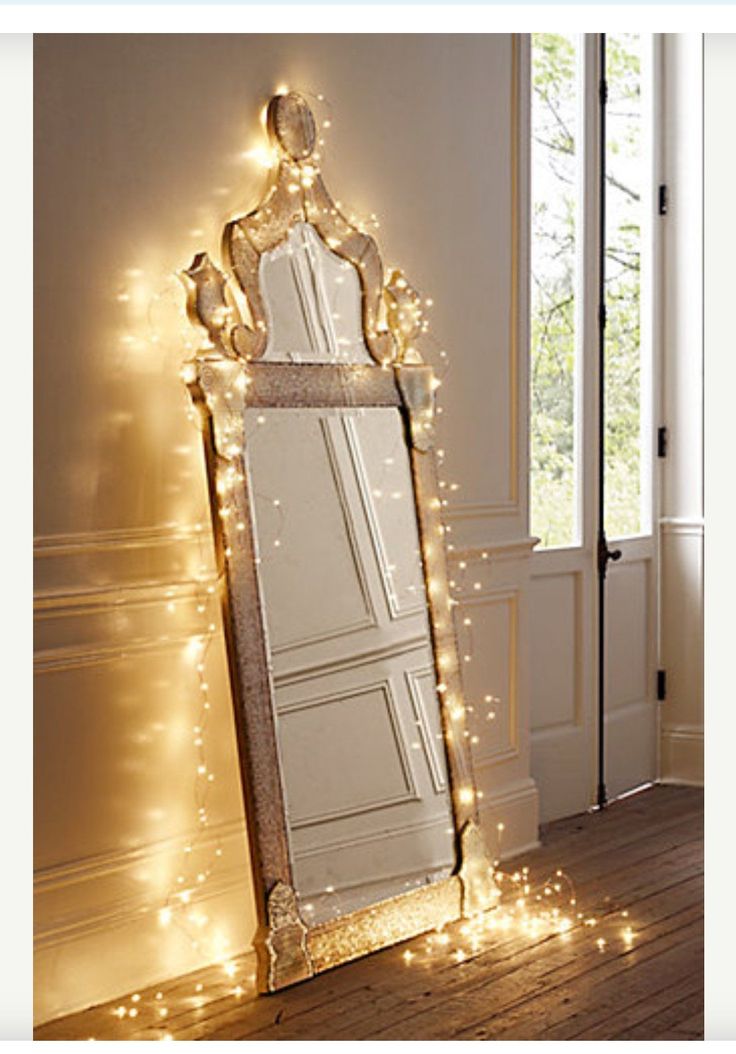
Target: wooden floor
643 856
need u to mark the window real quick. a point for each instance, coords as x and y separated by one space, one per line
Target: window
623 348
554 163
560 260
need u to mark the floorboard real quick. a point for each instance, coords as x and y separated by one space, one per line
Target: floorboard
629 967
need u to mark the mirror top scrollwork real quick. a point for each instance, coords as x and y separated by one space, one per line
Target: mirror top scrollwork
296 219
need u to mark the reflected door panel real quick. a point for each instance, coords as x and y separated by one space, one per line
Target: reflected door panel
312 299
358 722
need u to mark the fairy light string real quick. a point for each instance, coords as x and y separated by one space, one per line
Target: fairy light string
532 910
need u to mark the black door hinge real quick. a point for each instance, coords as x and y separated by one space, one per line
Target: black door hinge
602 316
603 92
661 685
663 199
662 441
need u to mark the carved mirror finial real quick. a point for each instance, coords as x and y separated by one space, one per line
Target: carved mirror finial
291 123
298 199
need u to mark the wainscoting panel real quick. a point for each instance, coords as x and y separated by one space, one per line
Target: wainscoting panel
632 728
562 670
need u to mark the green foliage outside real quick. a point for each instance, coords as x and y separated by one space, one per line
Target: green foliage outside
555 84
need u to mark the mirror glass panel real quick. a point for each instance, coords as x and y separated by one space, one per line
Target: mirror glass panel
357 712
312 299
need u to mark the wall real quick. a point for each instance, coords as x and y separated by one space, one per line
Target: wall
138 161
681 523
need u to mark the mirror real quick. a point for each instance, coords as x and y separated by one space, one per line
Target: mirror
318 429
357 714
312 300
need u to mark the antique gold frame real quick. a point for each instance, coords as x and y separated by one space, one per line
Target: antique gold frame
224 379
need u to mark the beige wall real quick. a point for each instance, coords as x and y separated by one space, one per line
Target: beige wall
138 144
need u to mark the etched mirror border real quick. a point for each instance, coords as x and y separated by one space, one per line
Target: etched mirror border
225 379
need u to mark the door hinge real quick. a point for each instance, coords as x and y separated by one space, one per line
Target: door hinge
661 685
602 316
663 199
662 441
603 92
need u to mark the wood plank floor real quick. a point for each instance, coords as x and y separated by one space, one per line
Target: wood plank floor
630 966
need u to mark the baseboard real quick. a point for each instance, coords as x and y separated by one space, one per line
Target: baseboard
681 756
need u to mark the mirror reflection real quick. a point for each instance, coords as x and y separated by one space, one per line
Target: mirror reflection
312 299
357 712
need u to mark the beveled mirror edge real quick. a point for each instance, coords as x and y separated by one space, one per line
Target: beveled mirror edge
223 381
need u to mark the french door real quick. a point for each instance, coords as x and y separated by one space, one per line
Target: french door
593 417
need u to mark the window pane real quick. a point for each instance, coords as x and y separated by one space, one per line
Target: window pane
624 195
553 476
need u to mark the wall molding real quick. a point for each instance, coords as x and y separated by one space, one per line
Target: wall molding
476 510
91 868
682 525
90 600
81 542
67 926
52 660
511 549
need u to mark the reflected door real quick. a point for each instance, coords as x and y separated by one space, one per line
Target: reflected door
358 723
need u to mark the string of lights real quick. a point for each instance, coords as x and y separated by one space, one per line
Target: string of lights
526 908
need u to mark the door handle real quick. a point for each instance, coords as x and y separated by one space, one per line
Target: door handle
606 555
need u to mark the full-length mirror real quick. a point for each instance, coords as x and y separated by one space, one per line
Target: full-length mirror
318 425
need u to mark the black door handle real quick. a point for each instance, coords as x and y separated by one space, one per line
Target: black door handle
605 555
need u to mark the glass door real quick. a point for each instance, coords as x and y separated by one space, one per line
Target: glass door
591 416
629 611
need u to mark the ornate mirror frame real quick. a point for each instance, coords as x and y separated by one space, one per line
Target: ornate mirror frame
224 379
